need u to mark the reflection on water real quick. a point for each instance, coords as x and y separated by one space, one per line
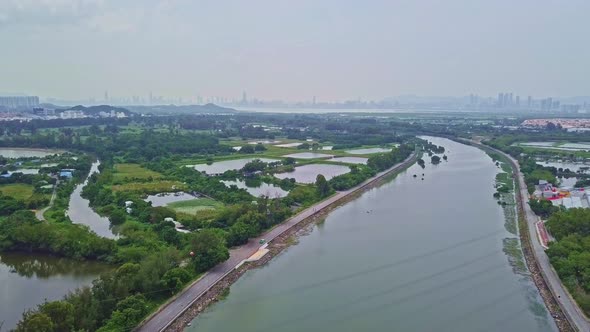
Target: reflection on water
27 280
227 165
258 189
27 153
411 255
80 212
164 199
308 173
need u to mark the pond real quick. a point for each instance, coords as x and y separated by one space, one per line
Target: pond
571 165
308 173
25 171
80 212
264 189
401 257
26 280
583 146
308 155
367 151
27 153
221 167
288 145
351 160
164 199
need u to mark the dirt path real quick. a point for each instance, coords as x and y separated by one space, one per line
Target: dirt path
40 213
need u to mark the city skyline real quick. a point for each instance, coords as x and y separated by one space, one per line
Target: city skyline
293 51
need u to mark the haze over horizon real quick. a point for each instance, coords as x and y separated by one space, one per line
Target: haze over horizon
334 50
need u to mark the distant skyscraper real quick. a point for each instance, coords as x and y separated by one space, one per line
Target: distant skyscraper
106 96
529 102
19 102
244 98
517 102
500 99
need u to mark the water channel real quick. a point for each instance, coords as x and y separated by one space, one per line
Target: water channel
411 255
80 211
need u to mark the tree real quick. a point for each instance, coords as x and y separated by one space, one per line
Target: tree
323 187
208 247
247 149
117 217
175 279
435 159
61 314
35 321
259 147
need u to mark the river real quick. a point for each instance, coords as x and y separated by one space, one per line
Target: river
80 212
411 255
27 280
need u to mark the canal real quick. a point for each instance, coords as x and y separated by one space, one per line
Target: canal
411 255
27 280
80 212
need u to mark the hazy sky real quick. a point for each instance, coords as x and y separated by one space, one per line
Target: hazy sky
294 49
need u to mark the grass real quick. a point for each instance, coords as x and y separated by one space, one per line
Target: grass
19 191
149 187
133 171
193 206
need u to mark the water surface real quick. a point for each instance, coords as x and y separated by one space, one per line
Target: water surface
351 160
164 199
221 167
26 280
367 151
309 173
308 155
27 153
411 255
264 189
80 212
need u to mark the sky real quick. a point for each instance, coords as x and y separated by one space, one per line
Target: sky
294 50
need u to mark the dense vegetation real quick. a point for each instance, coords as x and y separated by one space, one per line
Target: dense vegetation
570 255
142 156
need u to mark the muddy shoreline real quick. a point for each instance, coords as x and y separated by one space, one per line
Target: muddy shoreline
276 246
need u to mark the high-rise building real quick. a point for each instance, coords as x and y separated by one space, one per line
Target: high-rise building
529 102
19 102
244 98
500 99
517 101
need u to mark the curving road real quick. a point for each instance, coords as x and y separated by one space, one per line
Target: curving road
173 309
40 213
567 304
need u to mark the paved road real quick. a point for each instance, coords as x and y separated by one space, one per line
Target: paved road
40 213
176 307
574 314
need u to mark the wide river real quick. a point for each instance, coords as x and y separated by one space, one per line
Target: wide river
411 255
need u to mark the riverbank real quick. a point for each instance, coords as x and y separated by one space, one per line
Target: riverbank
176 314
539 278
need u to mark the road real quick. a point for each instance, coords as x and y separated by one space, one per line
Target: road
172 310
40 213
568 305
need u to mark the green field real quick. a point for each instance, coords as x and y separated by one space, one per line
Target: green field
19 191
195 205
133 171
150 187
